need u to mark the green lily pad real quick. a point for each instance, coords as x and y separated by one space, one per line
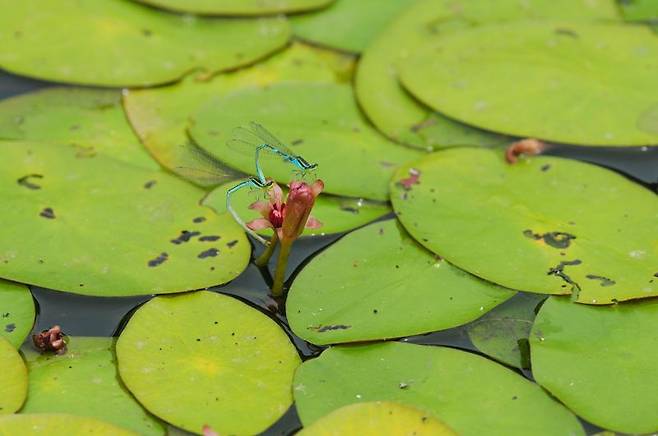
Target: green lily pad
544 225
159 115
354 160
95 226
84 382
600 361
239 7
377 418
535 80
639 10
365 286
122 43
58 424
13 383
337 214
204 358
471 394
401 117
503 333
347 24
90 118
16 312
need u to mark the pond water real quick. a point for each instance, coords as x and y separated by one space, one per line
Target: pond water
96 316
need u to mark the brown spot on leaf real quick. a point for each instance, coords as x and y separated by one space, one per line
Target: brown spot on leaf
27 183
47 212
211 252
158 260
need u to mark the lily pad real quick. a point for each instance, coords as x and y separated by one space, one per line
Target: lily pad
347 24
239 7
159 115
58 424
503 333
600 361
471 394
365 286
545 225
84 382
13 383
639 10
89 118
16 312
122 43
95 226
321 122
204 358
518 79
337 214
377 418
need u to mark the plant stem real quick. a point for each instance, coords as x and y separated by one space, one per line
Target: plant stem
264 258
280 273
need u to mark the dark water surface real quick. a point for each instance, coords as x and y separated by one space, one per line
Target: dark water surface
97 316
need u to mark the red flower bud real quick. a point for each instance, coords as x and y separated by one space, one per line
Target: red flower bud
299 203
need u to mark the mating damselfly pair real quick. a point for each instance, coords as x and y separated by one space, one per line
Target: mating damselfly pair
255 139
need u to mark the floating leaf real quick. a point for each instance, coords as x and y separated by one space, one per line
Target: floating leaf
238 7
320 121
347 25
401 117
89 118
639 10
471 394
203 358
545 225
337 214
16 312
377 418
159 115
84 382
58 424
535 80
600 361
13 383
93 225
365 286
503 332
122 43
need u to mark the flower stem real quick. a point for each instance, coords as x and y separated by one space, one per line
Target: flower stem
280 273
264 258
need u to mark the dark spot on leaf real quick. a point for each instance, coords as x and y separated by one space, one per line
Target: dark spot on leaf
211 252
297 142
6 315
48 212
350 209
403 385
74 127
328 328
209 238
381 231
158 260
375 311
83 152
553 239
604 280
566 32
515 397
150 184
559 271
232 243
199 219
25 181
546 167
184 236
10 327
146 32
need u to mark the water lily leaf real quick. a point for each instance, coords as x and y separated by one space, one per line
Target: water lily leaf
347 25
124 230
518 78
90 118
16 312
122 43
503 332
545 225
600 361
159 115
84 382
204 358
321 121
58 424
239 7
337 214
13 383
442 381
377 418
365 286
639 10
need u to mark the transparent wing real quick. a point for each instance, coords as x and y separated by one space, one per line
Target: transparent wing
202 168
267 137
245 140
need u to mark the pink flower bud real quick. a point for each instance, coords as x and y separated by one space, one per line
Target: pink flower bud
301 199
